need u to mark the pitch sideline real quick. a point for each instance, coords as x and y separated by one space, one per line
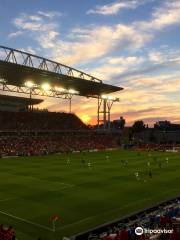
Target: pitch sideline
27 221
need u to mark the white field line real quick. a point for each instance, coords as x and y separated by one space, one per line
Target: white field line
67 184
41 180
27 221
74 223
63 188
8 199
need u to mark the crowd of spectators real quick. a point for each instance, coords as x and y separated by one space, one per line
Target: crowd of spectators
159 147
7 233
43 132
43 145
167 218
35 121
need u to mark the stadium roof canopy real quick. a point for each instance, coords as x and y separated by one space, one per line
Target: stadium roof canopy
4 99
16 67
17 104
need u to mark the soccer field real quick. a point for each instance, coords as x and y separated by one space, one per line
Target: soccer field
33 189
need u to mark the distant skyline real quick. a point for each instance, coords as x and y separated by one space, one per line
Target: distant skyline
134 44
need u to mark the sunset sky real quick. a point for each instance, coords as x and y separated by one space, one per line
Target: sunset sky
134 44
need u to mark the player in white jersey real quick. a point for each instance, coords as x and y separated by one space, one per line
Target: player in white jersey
137 175
68 161
89 165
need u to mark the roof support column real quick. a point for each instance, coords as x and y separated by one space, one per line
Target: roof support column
109 106
104 112
70 103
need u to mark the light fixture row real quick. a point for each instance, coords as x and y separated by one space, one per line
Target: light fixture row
47 87
111 98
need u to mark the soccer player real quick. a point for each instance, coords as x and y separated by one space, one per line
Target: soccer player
167 160
125 162
148 164
107 158
89 165
83 161
137 176
160 164
68 161
150 174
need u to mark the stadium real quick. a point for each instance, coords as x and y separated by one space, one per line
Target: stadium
61 179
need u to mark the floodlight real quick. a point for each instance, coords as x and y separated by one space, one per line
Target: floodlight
29 84
59 89
2 80
111 98
104 96
72 91
45 86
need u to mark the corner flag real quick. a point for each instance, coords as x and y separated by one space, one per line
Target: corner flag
54 219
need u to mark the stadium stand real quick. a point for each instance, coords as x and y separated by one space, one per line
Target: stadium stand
41 133
43 145
158 147
163 216
33 121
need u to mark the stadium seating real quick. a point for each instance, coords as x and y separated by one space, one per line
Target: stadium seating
43 132
42 145
158 147
26 121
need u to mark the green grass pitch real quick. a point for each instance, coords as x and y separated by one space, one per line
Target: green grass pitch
32 189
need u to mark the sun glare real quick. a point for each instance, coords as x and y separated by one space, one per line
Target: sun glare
85 118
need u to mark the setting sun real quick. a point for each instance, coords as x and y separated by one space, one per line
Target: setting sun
85 118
